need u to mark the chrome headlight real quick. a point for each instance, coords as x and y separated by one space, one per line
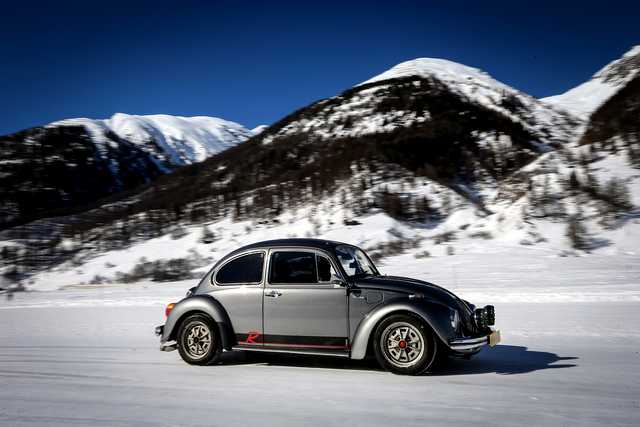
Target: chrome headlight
484 317
455 319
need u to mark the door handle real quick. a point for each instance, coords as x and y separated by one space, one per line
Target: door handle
272 294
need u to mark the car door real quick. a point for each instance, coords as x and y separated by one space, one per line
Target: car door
239 288
302 308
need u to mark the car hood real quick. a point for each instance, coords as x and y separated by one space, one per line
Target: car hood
411 286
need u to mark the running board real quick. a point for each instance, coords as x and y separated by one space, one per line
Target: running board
278 350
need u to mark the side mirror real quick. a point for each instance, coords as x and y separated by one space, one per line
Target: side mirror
191 291
338 282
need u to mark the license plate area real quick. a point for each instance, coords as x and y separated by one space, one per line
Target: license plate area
494 338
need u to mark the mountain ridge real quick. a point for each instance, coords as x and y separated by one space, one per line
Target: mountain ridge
180 140
585 98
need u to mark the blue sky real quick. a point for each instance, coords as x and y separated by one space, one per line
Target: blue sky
255 62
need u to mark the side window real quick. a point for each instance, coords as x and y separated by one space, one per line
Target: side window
244 269
293 267
326 272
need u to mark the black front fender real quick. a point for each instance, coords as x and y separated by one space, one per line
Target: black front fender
435 314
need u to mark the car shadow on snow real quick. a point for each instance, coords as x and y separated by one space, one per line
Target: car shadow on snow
297 360
504 360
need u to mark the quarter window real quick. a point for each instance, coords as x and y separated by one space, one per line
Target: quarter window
326 272
244 269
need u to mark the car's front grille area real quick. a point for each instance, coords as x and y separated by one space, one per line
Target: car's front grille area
484 317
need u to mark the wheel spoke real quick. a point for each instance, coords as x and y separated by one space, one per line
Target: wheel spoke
402 344
198 340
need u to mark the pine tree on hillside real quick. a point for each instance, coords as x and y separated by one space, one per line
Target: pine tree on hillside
237 209
446 203
618 194
633 155
592 186
574 183
207 235
585 159
577 233
424 210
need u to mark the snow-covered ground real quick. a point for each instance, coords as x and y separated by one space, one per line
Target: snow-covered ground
570 356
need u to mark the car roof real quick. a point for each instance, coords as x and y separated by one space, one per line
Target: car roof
327 245
302 242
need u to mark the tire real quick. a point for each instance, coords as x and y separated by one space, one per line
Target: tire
405 345
199 340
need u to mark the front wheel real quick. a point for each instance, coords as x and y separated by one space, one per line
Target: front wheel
198 342
404 345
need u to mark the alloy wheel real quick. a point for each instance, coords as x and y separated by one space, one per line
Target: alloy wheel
198 340
402 344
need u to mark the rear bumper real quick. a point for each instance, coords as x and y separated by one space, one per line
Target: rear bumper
470 345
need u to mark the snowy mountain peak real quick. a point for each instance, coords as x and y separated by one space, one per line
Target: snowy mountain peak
621 70
584 99
258 129
170 140
547 121
442 69
185 139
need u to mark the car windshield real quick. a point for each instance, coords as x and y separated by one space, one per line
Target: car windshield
354 261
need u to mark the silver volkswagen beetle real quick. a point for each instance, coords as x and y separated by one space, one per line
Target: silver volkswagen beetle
322 297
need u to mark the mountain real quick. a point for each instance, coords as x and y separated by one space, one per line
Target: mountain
448 122
547 122
171 141
74 162
360 110
430 156
584 99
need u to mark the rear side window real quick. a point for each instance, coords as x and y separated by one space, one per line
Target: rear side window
244 269
293 267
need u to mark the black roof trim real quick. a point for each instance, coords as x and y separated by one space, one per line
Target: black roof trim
302 242
313 243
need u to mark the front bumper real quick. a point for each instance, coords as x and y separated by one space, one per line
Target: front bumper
165 345
470 345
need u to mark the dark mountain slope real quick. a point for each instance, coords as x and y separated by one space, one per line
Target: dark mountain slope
46 169
59 168
617 119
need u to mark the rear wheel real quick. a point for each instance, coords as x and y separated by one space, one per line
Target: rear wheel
404 345
198 342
